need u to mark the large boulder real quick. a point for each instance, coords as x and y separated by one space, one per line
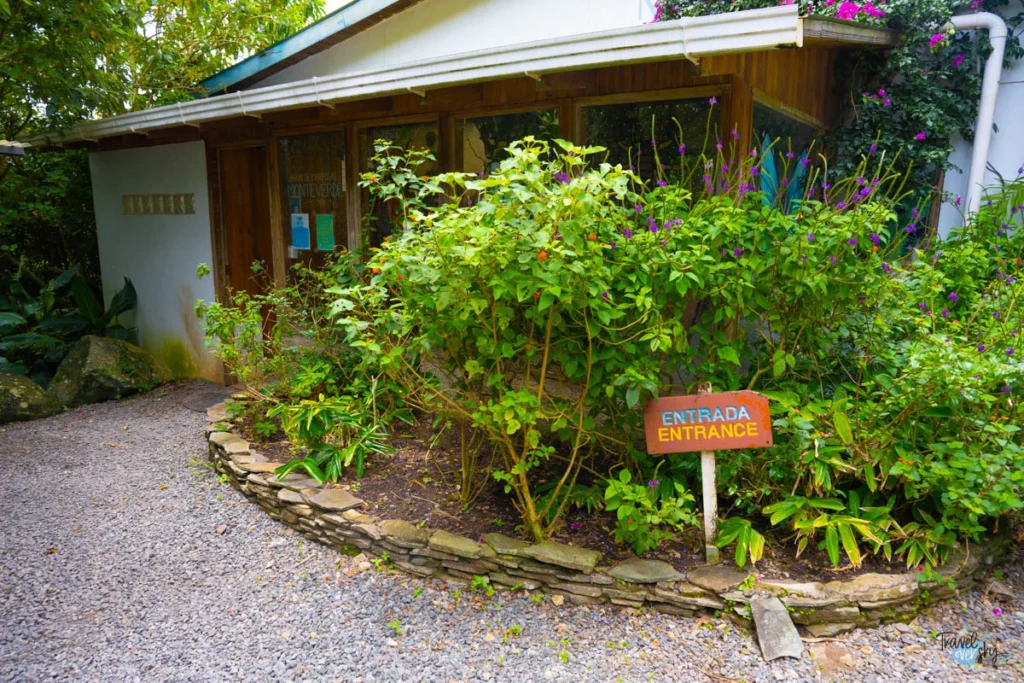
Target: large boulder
23 399
100 369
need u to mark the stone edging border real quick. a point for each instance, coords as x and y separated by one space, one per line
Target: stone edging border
332 517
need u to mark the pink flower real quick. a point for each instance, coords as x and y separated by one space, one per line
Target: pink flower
921 136
998 612
959 60
936 39
848 11
873 11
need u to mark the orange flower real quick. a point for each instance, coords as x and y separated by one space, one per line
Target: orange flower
527 347
399 277
426 177
542 255
875 248
591 236
376 270
536 295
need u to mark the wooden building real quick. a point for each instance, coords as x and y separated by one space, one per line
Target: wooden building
266 167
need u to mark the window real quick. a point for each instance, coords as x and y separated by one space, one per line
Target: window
406 136
312 178
628 129
481 141
791 134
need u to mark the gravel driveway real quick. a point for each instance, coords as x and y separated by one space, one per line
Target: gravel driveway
123 558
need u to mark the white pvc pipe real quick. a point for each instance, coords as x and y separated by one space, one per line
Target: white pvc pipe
997 33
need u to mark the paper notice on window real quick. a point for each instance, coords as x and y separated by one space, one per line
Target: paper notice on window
300 230
325 231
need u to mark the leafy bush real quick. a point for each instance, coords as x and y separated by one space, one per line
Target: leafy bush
39 324
643 518
545 304
282 345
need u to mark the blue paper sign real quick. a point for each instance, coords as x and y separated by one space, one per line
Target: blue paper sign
300 230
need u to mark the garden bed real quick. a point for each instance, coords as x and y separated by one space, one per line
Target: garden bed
419 482
572 571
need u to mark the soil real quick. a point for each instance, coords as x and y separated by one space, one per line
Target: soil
420 483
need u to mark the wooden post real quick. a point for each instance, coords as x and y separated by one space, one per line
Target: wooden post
707 476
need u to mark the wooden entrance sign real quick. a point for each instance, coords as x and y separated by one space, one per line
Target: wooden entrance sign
705 423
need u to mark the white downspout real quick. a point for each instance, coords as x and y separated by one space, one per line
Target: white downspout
997 33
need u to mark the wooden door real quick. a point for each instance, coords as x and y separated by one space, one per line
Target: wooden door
245 202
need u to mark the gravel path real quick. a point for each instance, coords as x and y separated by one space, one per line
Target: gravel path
123 558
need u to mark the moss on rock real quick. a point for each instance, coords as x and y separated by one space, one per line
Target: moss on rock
101 369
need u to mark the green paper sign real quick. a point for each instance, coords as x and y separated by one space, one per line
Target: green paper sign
325 231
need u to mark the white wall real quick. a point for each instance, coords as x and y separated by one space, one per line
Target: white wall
158 253
1006 153
436 28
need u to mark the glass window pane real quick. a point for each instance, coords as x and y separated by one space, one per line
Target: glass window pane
792 135
312 177
628 129
384 217
481 141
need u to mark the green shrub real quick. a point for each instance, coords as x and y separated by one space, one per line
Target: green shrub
542 306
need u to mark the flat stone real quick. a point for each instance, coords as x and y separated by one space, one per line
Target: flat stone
217 413
829 630
456 545
579 559
294 481
403 533
717 578
504 545
370 530
358 517
434 554
688 601
290 496
586 600
775 630
875 587
335 500
231 443
578 589
240 459
674 610
416 569
832 615
514 581
260 467
644 571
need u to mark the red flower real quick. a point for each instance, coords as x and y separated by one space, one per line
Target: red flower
542 255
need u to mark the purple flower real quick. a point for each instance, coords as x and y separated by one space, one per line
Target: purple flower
841 205
805 162
997 315
810 237
713 101
886 268
922 305
953 297
718 145
958 200
604 295
562 177
852 241
872 149
1010 280
638 208
627 233
575 525
653 143
945 313
735 134
911 227
664 243
875 239
653 483
832 260
914 213
996 611
738 252
753 153
958 61
1009 351
1006 389
613 246
662 183
865 191
886 102
790 155
982 348
682 149
753 170
921 136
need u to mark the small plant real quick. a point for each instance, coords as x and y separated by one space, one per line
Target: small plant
748 583
516 587
457 595
563 656
223 478
396 626
537 598
512 631
382 563
482 584
748 541
644 518
264 428
417 592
